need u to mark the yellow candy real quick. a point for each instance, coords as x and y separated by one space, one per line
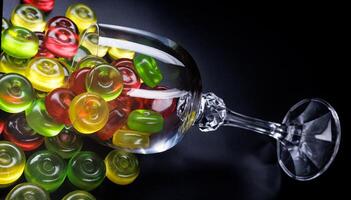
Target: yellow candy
90 41
116 53
121 167
9 64
28 17
12 162
88 113
82 15
45 74
130 139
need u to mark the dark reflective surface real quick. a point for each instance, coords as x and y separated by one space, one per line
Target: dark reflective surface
261 59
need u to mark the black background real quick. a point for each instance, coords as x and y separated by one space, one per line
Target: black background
261 59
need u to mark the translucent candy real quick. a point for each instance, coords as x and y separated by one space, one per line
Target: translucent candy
90 41
116 53
145 121
27 191
147 69
126 138
29 17
90 61
78 195
57 104
82 15
43 5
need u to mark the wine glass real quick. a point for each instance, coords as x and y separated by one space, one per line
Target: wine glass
307 139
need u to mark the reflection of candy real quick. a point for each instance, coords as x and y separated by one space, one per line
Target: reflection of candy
40 121
61 41
66 144
90 41
43 5
82 15
19 42
116 53
117 118
18 132
130 79
61 21
76 82
29 17
86 170
104 80
16 93
10 64
147 69
145 121
57 104
43 52
78 195
121 167
27 191
12 161
45 74
130 139
45 169
5 25
90 61
88 113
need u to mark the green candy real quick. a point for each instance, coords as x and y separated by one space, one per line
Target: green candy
19 42
16 93
145 121
45 169
27 191
40 121
148 70
66 144
79 195
86 170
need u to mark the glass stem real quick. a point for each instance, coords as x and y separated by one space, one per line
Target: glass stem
275 130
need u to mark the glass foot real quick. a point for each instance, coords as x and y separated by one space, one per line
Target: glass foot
312 141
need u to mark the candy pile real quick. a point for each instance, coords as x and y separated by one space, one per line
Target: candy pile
59 85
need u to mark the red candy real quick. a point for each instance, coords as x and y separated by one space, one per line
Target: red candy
116 120
2 124
61 21
61 41
130 79
43 52
57 104
43 5
123 62
126 103
76 81
17 131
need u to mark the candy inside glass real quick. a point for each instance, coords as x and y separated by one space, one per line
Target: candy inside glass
307 139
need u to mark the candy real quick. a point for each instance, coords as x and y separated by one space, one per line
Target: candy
116 53
61 21
121 167
130 79
90 41
79 195
90 61
104 80
29 17
62 42
18 132
86 170
57 104
163 106
11 64
147 69
19 42
145 121
45 74
43 5
16 93
130 139
27 191
66 144
76 82
40 121
82 15
43 52
117 118
126 103
12 161
88 113
45 169
5 25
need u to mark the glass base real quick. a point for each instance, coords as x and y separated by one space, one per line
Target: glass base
312 141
